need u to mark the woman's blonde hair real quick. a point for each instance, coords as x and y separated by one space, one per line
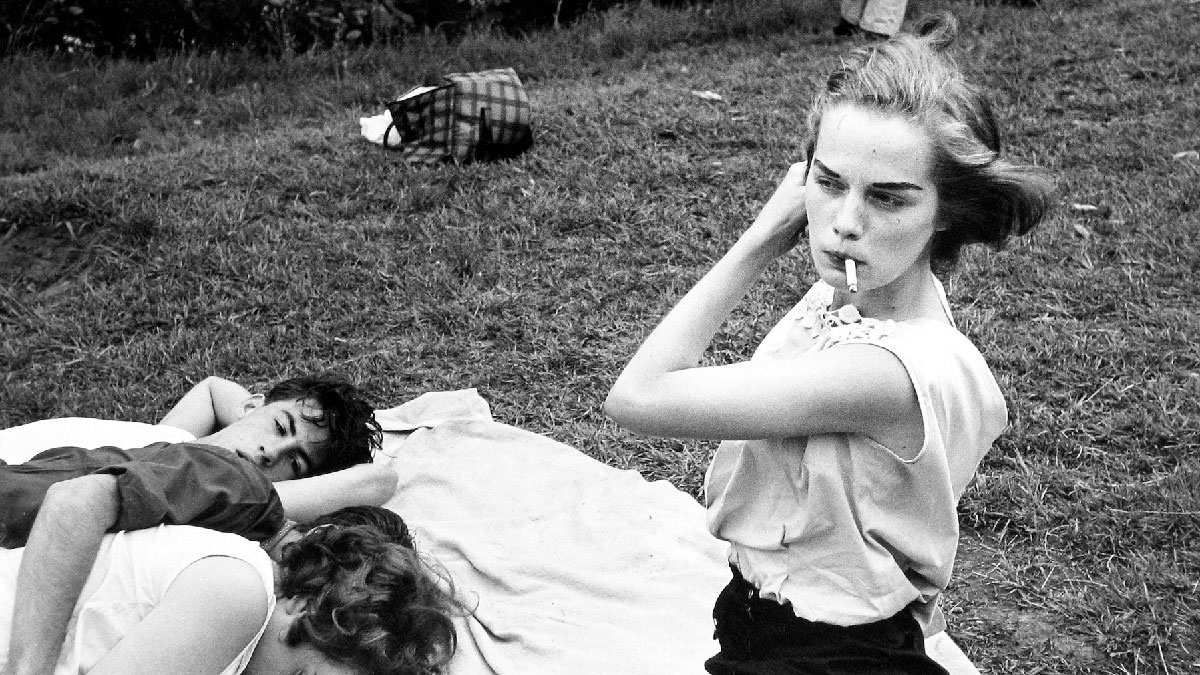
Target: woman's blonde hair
982 197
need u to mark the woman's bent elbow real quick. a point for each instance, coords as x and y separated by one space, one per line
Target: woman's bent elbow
622 407
613 406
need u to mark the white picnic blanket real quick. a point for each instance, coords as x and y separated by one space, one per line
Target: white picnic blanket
19 444
573 567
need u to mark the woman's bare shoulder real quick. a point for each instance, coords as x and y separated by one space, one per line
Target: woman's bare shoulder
209 614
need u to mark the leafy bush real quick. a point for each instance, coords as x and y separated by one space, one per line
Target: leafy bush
299 25
147 28
139 28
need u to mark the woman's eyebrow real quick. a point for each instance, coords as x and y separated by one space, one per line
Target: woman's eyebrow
896 186
824 169
899 185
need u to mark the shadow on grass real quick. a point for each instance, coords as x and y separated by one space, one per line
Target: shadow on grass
46 238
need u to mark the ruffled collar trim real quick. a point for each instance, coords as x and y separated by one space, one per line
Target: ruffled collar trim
843 323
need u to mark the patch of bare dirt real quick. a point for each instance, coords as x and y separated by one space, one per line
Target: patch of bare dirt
34 258
44 240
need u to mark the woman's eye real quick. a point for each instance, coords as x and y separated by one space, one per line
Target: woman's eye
887 199
279 428
828 183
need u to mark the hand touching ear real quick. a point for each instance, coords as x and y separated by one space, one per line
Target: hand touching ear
777 228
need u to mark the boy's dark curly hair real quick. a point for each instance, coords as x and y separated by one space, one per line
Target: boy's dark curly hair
373 604
386 522
350 419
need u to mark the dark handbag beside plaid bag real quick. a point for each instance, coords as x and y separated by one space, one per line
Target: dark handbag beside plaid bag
473 116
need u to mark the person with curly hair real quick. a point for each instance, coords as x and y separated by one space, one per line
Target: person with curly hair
348 598
301 450
417 635
849 436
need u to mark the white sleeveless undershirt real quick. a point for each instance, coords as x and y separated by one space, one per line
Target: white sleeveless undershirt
132 573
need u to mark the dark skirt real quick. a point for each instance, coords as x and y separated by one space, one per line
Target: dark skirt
762 637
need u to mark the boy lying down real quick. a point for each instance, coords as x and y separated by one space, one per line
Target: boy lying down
227 460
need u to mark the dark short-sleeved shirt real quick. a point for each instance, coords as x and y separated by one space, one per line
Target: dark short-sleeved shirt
171 483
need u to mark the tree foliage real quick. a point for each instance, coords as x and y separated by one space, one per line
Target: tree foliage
146 28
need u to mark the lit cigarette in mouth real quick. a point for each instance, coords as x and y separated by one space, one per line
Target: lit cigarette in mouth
851 276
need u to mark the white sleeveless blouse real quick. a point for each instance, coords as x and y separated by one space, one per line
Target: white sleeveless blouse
835 524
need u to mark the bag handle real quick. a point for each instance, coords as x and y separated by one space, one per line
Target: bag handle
387 132
483 145
420 102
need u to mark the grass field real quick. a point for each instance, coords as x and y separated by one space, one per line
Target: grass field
219 214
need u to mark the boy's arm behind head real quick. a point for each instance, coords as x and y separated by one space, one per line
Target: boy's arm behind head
212 404
362 485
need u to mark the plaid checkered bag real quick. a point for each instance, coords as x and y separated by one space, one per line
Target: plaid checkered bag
473 116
